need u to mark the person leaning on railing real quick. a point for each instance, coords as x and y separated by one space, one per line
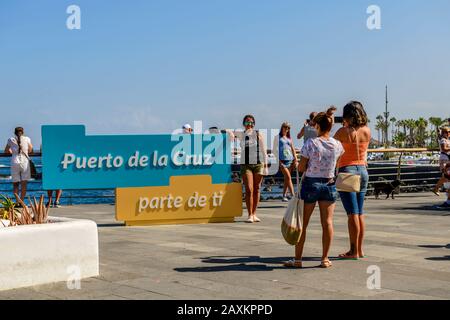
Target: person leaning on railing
355 137
19 147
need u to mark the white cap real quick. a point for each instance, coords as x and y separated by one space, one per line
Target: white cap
187 126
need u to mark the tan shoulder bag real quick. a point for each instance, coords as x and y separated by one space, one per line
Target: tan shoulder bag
349 182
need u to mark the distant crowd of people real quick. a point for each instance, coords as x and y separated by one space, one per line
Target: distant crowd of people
320 158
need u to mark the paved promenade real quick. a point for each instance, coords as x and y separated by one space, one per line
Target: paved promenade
407 239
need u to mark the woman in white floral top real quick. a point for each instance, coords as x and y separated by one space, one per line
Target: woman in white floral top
319 157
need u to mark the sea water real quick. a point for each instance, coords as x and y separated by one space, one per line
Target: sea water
35 188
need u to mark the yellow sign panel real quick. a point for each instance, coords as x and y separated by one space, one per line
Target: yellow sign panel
188 199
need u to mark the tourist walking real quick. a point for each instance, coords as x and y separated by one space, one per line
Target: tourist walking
319 157
309 129
19 147
253 164
284 150
444 145
355 137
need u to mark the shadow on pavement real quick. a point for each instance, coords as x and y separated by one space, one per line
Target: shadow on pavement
444 258
110 225
433 209
246 263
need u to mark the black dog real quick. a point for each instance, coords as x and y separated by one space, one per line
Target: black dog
387 187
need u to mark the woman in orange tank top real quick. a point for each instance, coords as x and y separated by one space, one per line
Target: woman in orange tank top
355 137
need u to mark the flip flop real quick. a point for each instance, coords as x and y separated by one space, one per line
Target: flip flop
325 264
297 264
347 256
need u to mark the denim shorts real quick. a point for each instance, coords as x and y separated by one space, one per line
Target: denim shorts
354 201
318 189
286 163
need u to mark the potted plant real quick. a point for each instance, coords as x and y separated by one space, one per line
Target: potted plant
42 249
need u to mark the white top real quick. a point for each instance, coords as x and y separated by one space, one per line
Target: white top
252 150
444 143
13 145
323 155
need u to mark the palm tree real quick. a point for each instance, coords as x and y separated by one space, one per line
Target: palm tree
436 123
400 139
393 121
411 126
421 135
378 128
381 127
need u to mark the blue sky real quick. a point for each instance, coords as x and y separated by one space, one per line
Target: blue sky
150 66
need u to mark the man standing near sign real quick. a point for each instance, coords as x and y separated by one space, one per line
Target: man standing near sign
253 164
187 129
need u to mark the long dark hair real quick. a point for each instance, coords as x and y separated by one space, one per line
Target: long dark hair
288 132
355 115
249 116
19 133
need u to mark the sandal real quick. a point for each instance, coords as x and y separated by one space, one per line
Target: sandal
256 219
293 264
325 264
250 220
347 256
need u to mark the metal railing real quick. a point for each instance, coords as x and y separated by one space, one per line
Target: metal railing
391 164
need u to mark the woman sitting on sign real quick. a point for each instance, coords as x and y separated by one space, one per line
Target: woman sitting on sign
253 164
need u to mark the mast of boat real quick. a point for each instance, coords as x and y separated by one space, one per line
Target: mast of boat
386 118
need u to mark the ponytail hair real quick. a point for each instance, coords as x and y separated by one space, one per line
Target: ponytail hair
355 115
19 133
331 110
325 121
